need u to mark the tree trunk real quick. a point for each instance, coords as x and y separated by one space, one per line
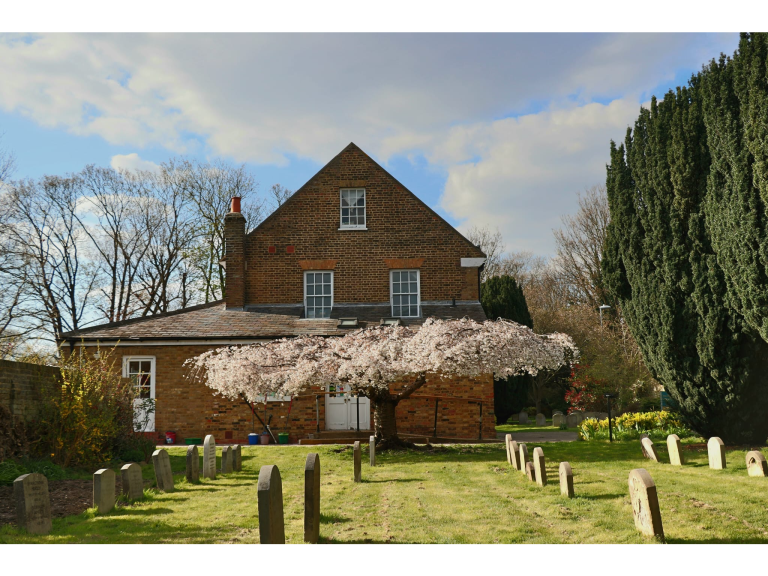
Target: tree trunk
385 423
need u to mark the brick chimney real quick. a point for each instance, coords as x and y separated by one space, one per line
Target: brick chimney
234 256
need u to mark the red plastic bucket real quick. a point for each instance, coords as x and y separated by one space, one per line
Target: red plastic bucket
170 437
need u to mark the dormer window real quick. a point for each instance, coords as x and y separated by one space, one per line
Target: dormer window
352 209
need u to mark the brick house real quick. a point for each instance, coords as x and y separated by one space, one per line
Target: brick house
351 248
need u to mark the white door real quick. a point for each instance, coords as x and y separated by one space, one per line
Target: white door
141 371
341 411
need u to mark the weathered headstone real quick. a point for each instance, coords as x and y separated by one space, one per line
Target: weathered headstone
357 458
209 457
572 420
643 436
756 464
226 459
530 472
579 416
675 450
372 449
33 504
270 496
601 415
541 420
193 464
163 475
237 458
558 420
566 479
507 440
104 490
556 412
312 499
132 482
523 454
523 418
649 449
514 452
716 450
590 415
645 503
539 467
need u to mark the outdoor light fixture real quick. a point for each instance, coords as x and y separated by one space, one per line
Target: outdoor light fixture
347 323
602 307
609 397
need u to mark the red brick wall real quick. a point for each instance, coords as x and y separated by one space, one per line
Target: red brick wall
401 230
191 409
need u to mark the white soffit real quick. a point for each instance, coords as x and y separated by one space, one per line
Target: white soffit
472 262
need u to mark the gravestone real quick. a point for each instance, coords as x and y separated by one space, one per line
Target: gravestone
756 464
675 450
33 504
132 482
523 418
237 458
649 449
104 490
572 420
514 452
226 459
193 464
539 467
372 449
601 415
523 454
645 503
579 416
643 436
558 420
716 450
507 440
357 458
209 457
541 420
557 412
566 479
163 475
530 472
312 499
270 496
590 415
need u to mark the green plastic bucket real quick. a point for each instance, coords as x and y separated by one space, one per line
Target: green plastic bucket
282 438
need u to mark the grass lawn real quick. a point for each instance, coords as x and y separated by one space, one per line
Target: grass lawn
530 427
463 493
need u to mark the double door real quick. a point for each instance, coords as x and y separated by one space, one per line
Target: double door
343 410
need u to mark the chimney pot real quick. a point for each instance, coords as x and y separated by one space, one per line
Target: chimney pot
235 206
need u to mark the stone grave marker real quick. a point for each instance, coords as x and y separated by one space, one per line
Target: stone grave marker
312 499
756 464
643 436
541 420
132 482
514 452
104 490
523 454
539 467
601 415
556 412
572 420
163 474
566 479
209 457
372 449
507 441
237 458
530 472
226 459
193 464
523 418
270 496
357 458
675 450
716 450
645 503
649 449
558 420
33 504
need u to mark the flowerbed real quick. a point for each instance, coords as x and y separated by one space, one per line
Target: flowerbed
629 426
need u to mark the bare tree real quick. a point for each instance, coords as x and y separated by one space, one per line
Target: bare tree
279 195
492 245
580 245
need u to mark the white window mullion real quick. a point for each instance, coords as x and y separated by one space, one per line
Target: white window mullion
405 293
318 294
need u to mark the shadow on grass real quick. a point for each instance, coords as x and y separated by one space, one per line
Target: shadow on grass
746 540
366 481
127 511
333 519
602 496
330 540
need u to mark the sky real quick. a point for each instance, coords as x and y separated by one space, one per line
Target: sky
499 130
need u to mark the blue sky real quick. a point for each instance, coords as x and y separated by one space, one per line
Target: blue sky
500 130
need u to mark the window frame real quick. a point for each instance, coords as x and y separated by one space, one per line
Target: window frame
364 226
306 316
392 294
153 364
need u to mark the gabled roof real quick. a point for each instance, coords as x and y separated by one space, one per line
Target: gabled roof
214 322
352 146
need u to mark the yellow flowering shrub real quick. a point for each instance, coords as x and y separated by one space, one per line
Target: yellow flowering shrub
630 425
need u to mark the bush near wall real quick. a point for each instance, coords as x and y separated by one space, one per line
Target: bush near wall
629 426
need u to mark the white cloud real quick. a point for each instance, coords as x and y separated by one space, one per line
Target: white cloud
132 162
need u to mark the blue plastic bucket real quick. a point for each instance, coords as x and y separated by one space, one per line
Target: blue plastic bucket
253 439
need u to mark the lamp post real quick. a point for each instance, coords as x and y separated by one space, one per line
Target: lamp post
602 307
608 397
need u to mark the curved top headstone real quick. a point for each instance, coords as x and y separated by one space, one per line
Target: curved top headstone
209 457
716 453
